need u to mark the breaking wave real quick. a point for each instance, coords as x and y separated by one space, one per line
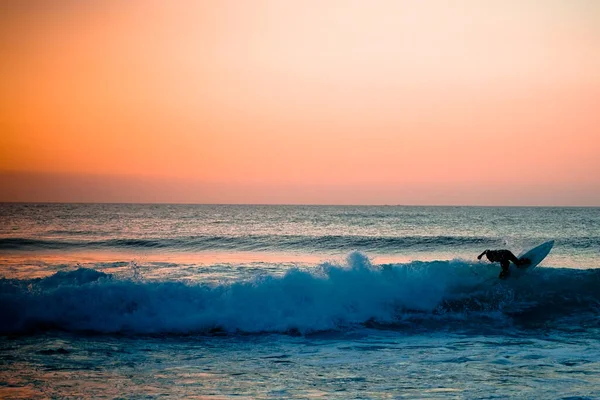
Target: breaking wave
329 297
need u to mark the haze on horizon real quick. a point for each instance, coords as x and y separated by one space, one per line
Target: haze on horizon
301 102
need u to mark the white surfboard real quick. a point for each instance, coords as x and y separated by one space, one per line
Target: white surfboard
536 255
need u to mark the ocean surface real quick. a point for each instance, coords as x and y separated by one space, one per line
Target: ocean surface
335 302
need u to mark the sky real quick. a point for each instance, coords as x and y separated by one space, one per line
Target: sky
301 102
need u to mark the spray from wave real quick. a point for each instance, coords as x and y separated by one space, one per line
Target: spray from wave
330 297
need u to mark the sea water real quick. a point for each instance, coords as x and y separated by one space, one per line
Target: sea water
220 301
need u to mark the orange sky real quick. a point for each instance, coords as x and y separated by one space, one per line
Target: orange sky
335 101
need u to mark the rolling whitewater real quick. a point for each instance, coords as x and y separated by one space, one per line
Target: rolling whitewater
102 300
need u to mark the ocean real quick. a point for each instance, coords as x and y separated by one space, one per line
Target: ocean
335 302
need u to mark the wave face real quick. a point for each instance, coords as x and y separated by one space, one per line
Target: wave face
427 295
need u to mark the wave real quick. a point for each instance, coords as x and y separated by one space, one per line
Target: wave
330 297
277 242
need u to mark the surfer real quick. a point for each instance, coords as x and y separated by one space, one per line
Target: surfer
504 257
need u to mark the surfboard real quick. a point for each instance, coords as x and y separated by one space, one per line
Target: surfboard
536 255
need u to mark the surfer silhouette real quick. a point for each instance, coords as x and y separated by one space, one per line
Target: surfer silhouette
504 257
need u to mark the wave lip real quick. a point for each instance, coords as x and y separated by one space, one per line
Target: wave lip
331 297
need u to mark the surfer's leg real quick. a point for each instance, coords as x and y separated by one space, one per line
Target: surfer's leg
505 269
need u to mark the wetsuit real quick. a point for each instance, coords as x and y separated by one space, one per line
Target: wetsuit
504 257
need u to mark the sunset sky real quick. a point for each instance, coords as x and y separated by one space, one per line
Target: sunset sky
313 102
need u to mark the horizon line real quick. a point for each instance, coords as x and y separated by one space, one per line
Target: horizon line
296 204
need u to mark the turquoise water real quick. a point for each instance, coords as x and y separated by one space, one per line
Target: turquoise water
296 302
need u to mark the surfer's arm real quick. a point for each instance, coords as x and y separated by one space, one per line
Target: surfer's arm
513 258
481 255
517 261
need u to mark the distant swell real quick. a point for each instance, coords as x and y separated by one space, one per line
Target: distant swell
41 244
330 297
271 242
